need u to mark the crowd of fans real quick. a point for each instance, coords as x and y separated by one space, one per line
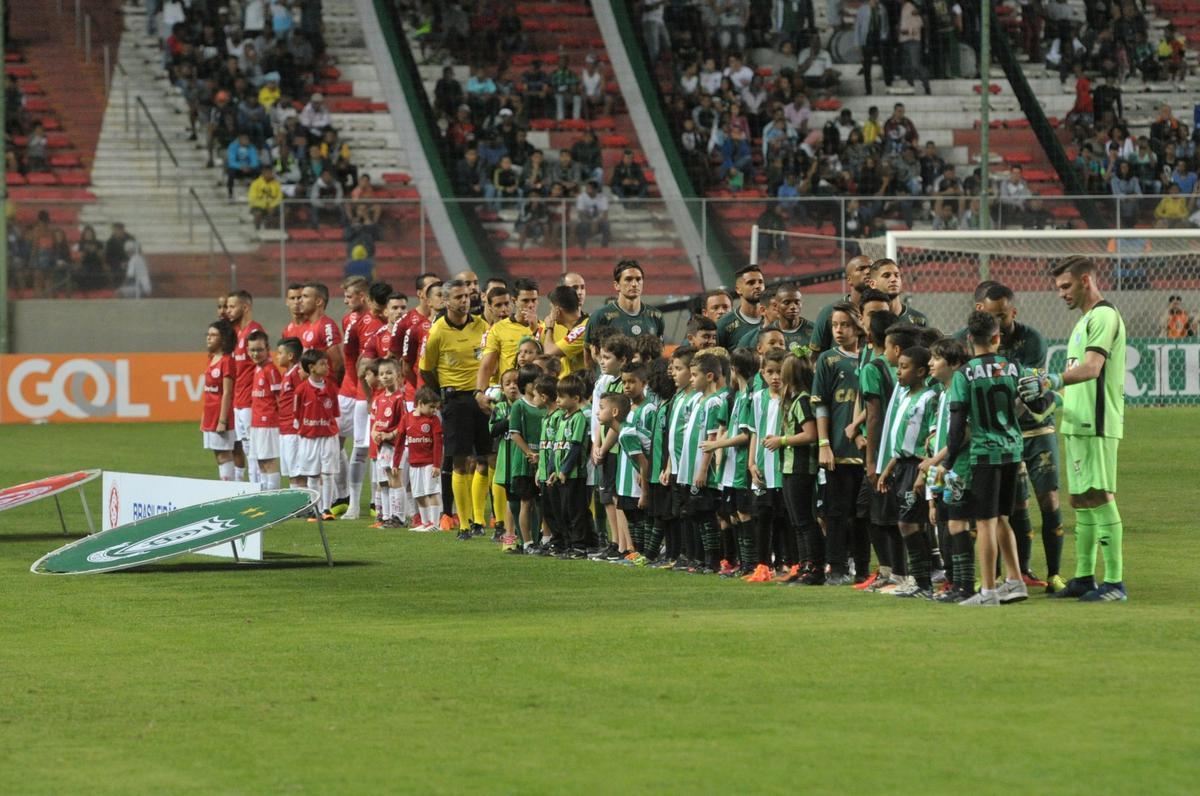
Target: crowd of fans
44 263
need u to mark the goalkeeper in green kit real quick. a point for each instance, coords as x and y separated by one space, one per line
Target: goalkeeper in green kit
1093 390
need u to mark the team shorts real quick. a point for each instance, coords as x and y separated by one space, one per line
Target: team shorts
218 440
317 456
659 501
422 482
862 501
737 501
289 448
264 441
241 423
1091 463
994 489
908 494
842 487
387 456
1041 462
345 416
702 501
884 508
465 427
521 487
606 490
680 494
362 424
628 505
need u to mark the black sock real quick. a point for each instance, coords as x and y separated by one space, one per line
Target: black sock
919 558
710 541
788 551
1023 531
838 529
729 548
896 551
963 560
860 547
672 532
816 546
654 536
746 544
879 541
1052 540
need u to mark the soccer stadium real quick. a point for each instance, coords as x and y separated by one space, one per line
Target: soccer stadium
676 396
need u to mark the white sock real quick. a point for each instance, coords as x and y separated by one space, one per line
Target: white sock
270 479
358 470
397 498
239 474
383 503
326 491
225 471
340 483
256 476
424 512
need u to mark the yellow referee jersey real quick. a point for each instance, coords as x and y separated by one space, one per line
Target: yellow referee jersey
452 352
504 338
570 340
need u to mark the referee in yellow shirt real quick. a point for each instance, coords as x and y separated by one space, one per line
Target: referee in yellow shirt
450 364
505 336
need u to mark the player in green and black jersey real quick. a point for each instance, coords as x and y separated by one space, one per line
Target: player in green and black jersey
740 327
835 390
798 441
1027 347
1093 424
885 276
627 314
797 330
858 268
983 399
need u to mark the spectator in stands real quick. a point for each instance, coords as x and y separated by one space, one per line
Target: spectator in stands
535 180
735 154
564 84
1172 51
1107 104
654 30
587 153
567 173
844 125
254 121
281 19
899 131
509 31
114 253
912 26
505 186
732 16
591 210
596 101
265 196
37 156
136 282
873 36
1091 169
253 18
468 175
1124 184
325 200
288 171
1173 209
365 209
315 117
1014 194
537 90
1184 176
782 57
251 66
771 242
944 217
241 162
448 93
906 179
1175 322
755 105
946 23
270 93
947 185
628 179
1082 115
739 73
932 166
798 112
533 221
1164 129
1145 166
491 149
91 274
519 148
815 65
359 264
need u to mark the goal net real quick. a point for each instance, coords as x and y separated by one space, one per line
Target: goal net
1140 271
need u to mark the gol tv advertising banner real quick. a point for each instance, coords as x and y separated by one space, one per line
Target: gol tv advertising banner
112 388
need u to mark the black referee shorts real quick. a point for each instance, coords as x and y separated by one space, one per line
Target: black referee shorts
464 427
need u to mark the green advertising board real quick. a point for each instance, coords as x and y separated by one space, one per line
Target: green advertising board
1157 370
175 533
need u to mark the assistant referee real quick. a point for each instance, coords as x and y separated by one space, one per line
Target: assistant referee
450 364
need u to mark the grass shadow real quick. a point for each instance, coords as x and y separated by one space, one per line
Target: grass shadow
10 538
291 562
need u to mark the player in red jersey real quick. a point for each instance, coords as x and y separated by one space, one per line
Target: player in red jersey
295 326
320 331
421 436
287 359
316 421
216 423
366 306
264 409
389 414
239 309
421 313
430 302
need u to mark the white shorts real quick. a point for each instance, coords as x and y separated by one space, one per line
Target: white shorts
264 442
387 454
346 417
289 448
421 482
362 425
218 440
317 456
241 423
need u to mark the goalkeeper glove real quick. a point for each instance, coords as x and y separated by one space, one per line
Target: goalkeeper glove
1036 384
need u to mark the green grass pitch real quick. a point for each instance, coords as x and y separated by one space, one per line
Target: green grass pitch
425 664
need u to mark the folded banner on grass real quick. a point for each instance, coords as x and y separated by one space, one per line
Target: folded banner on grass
73 388
176 533
128 497
20 494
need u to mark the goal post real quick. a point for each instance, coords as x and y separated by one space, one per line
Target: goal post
1139 271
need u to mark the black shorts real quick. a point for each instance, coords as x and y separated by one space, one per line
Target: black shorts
994 489
680 496
842 487
702 501
862 503
885 510
908 495
522 487
659 501
465 427
606 480
737 501
628 505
